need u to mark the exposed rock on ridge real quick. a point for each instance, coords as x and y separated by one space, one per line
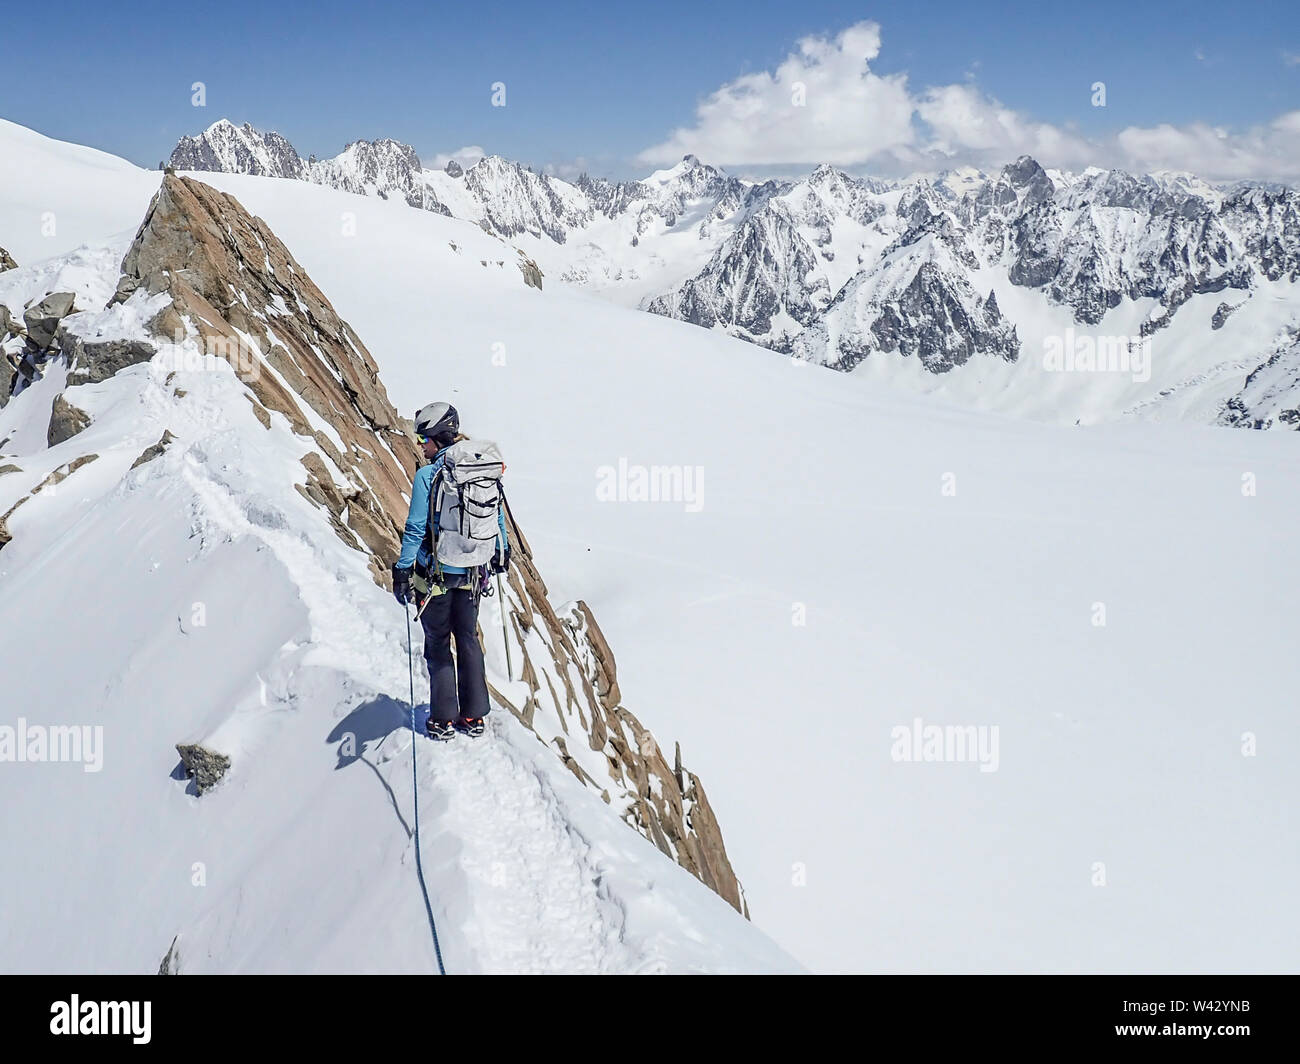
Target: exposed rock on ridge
233 282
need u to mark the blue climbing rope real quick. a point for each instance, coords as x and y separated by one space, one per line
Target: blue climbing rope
415 791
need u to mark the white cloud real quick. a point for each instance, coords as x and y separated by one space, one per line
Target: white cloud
567 169
822 104
975 129
466 156
1269 151
855 118
1291 58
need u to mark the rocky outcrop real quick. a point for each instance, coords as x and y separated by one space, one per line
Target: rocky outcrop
66 421
58 476
227 274
150 453
93 361
1270 396
41 331
9 326
8 365
204 767
42 319
671 807
572 681
171 962
7 261
531 271
232 279
1221 313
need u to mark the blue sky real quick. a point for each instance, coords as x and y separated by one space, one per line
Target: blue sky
602 83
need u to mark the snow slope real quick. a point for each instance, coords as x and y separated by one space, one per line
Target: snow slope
201 598
1120 744
56 196
823 502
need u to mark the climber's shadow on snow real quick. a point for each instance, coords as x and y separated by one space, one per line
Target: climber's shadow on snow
373 723
371 727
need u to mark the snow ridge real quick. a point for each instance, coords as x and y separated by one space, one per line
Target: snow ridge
543 876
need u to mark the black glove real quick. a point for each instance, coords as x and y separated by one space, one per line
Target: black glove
402 585
499 564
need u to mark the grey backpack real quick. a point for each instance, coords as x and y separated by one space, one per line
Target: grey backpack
465 502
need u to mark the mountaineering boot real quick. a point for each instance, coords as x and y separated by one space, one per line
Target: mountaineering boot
471 726
442 730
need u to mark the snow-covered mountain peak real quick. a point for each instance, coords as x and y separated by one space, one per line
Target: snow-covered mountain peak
763 261
225 127
515 200
831 179
242 149
686 180
961 180
374 167
677 171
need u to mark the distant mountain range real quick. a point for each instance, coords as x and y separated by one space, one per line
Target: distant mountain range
964 282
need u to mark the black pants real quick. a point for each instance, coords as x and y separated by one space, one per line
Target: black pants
454 613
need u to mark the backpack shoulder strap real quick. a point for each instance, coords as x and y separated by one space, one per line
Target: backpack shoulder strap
431 525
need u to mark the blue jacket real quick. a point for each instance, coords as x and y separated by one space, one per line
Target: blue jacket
414 540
